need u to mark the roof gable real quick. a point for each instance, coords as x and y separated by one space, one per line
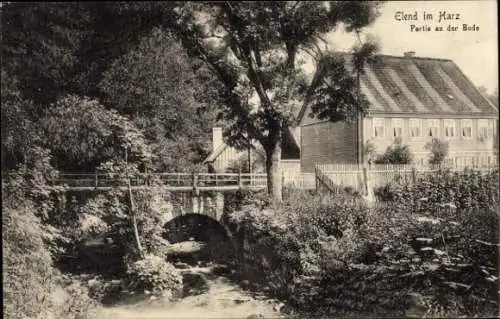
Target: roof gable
417 85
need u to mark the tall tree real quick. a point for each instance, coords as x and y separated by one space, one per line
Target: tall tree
39 46
82 134
493 97
254 48
19 131
115 28
154 83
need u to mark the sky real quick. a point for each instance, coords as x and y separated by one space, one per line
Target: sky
475 52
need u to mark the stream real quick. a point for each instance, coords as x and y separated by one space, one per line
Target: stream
210 290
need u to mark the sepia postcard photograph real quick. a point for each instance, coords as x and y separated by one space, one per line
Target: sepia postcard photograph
250 159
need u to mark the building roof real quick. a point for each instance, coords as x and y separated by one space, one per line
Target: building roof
290 148
415 85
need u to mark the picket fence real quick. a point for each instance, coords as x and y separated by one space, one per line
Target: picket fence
351 175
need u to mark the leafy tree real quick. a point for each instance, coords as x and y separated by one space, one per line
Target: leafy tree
254 48
493 97
155 84
397 153
439 150
59 48
115 29
19 132
81 134
39 45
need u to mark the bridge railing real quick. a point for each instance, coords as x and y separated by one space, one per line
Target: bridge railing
181 180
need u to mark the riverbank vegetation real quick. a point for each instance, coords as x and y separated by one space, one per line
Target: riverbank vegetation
431 250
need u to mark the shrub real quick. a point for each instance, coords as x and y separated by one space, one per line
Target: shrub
153 274
397 153
290 242
439 150
234 201
27 266
329 256
75 300
463 190
108 215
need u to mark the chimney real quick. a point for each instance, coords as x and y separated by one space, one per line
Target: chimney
409 54
216 137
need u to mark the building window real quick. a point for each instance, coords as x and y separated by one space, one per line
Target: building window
415 128
449 129
378 128
466 127
397 128
483 128
433 128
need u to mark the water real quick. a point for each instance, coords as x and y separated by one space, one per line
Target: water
211 289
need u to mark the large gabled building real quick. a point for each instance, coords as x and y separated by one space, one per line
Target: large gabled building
411 98
414 99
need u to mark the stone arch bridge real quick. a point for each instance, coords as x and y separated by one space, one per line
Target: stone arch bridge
191 195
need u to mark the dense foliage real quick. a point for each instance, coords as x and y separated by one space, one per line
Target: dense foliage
33 287
156 85
154 275
439 150
430 251
82 134
397 153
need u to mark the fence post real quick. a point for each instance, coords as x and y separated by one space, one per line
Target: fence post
96 181
316 178
239 178
365 179
282 178
413 174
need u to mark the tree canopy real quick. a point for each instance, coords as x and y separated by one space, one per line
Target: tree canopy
156 85
254 49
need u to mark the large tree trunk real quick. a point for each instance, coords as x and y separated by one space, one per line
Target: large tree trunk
273 158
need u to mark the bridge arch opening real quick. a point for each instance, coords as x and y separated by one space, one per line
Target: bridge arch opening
198 238
193 226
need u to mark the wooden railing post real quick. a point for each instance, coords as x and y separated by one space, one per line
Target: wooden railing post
195 181
413 174
96 181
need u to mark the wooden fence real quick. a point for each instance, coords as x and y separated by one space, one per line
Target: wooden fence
351 175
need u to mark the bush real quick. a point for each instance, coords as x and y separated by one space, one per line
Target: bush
430 250
291 242
397 153
234 201
75 300
153 274
439 150
467 189
27 266
108 216
32 286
